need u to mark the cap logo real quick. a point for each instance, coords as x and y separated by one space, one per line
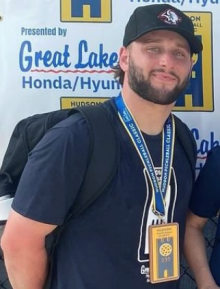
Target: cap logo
170 17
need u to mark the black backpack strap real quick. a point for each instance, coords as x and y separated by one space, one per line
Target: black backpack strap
187 141
104 155
104 159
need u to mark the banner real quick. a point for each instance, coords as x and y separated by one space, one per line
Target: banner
58 54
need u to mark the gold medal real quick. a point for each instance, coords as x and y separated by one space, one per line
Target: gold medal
164 252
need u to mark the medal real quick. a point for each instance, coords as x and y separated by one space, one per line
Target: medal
164 252
164 238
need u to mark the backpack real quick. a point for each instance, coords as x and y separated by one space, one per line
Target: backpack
101 168
29 131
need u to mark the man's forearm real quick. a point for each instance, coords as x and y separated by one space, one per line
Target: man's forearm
27 269
195 253
23 245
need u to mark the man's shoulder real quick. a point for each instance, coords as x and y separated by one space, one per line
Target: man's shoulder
183 130
214 152
180 123
78 126
212 163
187 141
78 119
110 106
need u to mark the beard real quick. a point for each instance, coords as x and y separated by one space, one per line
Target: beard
143 87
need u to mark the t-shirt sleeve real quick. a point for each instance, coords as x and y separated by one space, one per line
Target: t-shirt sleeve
205 199
54 173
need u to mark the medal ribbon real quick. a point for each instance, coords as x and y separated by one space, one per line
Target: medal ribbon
159 191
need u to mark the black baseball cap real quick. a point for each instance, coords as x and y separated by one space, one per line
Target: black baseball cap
161 17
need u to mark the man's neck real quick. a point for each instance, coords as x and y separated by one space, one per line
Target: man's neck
149 116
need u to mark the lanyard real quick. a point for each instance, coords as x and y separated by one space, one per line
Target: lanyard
159 191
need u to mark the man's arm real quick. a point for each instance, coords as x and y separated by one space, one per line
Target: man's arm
195 252
23 244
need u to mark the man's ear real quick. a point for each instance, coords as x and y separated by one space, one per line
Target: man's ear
124 58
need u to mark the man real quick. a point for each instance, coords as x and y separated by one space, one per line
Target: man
204 204
108 245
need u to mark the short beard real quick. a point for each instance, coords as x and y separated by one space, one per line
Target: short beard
145 90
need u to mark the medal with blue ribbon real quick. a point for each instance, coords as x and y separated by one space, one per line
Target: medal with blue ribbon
159 191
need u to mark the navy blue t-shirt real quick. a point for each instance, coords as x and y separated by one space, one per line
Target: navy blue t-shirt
205 201
106 246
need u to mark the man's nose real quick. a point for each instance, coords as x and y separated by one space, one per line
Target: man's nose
166 60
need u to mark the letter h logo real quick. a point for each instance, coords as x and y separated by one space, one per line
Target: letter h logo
199 95
86 10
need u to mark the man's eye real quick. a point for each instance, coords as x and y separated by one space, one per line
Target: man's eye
179 54
154 49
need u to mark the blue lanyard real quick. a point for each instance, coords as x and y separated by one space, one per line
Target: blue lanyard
159 191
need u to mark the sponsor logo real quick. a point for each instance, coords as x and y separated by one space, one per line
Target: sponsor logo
68 102
86 11
80 68
199 94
